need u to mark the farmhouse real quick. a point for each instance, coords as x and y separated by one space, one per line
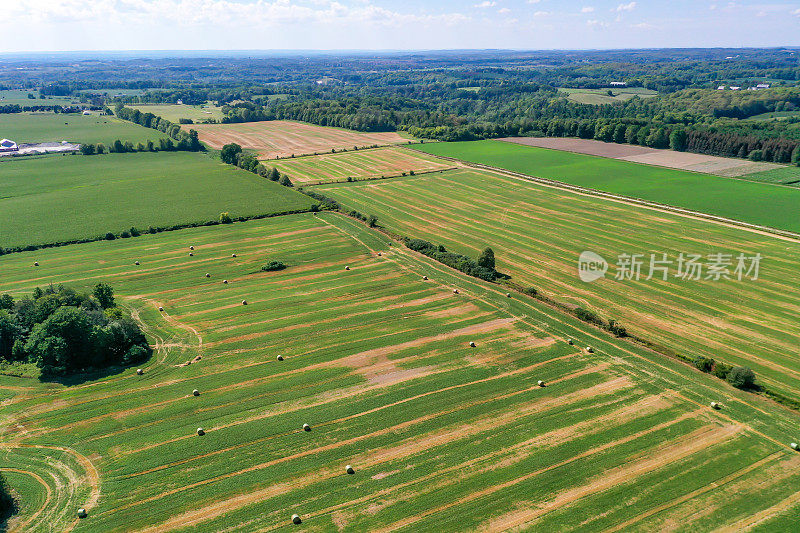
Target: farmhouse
7 145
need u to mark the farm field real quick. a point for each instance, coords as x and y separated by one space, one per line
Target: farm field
51 127
91 195
20 97
360 164
538 233
441 436
755 203
601 96
284 138
174 112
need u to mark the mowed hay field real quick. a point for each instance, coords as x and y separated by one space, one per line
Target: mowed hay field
62 198
538 233
441 436
51 127
756 203
175 112
361 164
284 138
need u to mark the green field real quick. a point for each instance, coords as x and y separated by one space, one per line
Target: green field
51 127
20 97
174 112
442 437
601 96
538 233
62 198
783 176
775 115
756 203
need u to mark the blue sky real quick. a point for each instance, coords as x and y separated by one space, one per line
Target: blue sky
45 25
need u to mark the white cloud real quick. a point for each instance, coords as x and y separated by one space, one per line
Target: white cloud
594 23
587 9
796 12
643 26
504 10
626 7
485 4
534 1
541 13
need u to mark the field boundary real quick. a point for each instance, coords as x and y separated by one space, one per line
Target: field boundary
628 199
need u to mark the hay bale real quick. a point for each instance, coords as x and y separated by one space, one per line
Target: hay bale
590 349
36 263
201 431
425 278
347 268
233 255
455 291
244 302
136 263
191 254
82 513
349 469
306 427
224 281
570 342
472 344
191 247
160 308
195 392
280 358
540 383
508 295
715 405
208 275
296 519
795 446
139 371
379 254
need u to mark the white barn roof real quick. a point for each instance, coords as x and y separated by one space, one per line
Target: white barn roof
7 144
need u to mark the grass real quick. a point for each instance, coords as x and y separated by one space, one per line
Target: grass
756 203
51 127
601 96
63 198
174 112
539 232
20 97
775 115
362 164
442 436
783 176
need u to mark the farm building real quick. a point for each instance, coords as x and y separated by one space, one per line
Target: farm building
618 84
87 112
7 145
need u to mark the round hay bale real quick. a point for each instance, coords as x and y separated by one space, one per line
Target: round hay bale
136 263
233 255
36 263
191 247
570 342
508 295
540 383
139 371
306 427
208 275
715 405
347 268
280 358
795 446
160 308
379 254
82 513
455 291
191 254
472 344
296 519
195 392
425 278
590 349
244 302
201 431
224 281
349 469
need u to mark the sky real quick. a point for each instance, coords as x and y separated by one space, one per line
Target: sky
66 25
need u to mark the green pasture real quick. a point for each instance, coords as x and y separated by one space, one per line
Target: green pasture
441 436
75 128
20 97
174 112
67 197
601 96
756 203
538 233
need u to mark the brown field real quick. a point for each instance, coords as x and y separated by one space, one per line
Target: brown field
362 164
284 138
709 164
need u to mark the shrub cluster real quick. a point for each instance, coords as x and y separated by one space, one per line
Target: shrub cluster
192 144
739 376
273 266
452 259
232 154
7 504
64 332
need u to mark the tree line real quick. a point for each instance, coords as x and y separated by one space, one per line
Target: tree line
186 141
